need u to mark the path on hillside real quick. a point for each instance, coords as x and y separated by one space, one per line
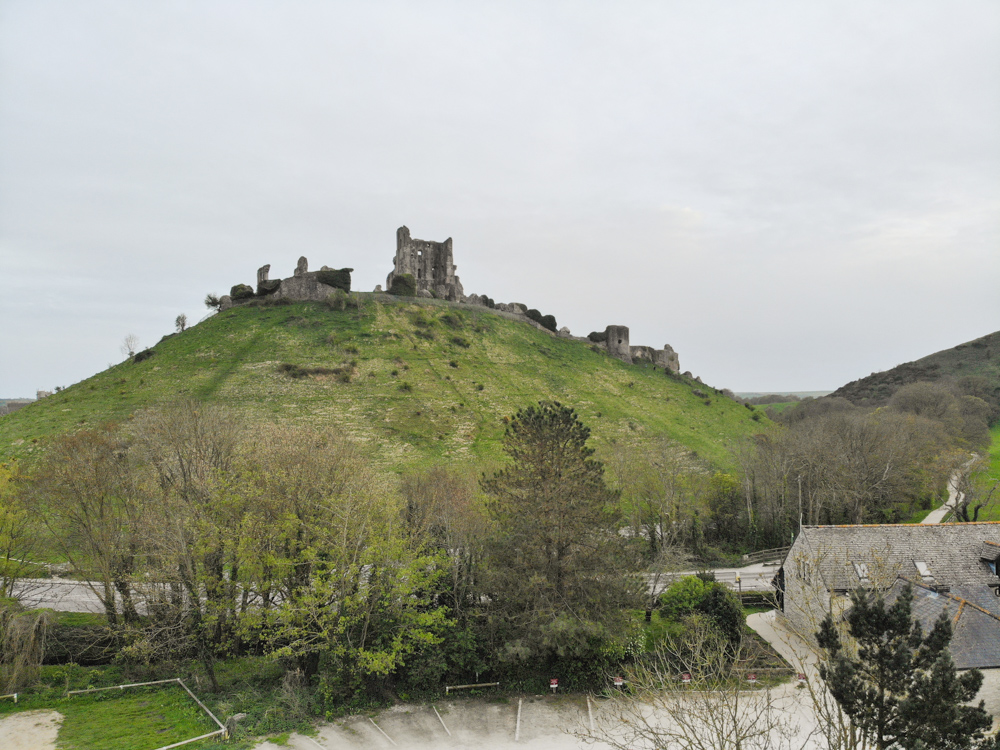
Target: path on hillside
954 496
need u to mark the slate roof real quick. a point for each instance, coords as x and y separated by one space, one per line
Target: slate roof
952 552
975 620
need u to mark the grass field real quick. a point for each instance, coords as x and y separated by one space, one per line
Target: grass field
132 719
419 382
150 717
991 474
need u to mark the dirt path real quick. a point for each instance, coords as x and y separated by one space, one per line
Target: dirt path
30 730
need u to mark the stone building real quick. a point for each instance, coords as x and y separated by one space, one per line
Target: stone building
951 566
430 264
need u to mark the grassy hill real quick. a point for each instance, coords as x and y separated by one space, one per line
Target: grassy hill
419 381
980 357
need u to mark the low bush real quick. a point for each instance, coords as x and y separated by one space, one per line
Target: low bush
452 320
80 639
545 321
339 300
241 291
403 285
459 341
598 337
143 355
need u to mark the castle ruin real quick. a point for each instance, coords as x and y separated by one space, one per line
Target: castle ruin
432 268
430 264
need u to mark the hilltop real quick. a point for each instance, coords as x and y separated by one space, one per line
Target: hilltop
418 380
980 357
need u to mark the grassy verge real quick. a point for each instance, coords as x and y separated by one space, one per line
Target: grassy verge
992 473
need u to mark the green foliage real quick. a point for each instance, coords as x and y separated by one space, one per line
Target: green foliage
403 285
690 595
598 336
143 355
683 597
339 279
545 321
241 292
897 685
555 551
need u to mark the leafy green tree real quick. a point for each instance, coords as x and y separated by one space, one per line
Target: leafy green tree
556 560
691 594
346 596
899 687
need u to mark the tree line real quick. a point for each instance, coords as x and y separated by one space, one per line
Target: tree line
205 538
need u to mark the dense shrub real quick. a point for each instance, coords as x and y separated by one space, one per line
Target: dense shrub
403 285
80 642
338 279
459 341
598 337
545 321
143 355
241 291
451 320
691 595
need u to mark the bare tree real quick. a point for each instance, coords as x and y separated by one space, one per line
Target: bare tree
181 323
22 646
18 532
713 707
87 490
129 344
443 511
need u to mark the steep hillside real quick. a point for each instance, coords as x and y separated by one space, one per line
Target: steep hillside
980 357
417 381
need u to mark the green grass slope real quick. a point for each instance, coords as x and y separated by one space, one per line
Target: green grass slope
417 381
980 357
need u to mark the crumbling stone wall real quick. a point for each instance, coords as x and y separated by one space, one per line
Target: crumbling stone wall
431 265
301 286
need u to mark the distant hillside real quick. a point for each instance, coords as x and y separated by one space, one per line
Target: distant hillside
417 381
796 394
979 357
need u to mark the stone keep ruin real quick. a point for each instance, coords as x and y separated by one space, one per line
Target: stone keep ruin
429 263
431 267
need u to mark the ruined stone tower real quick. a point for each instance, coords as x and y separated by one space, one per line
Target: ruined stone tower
430 264
617 343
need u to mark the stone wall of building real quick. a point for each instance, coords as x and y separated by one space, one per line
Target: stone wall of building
430 263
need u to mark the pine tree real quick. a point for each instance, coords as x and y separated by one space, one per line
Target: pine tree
556 562
898 686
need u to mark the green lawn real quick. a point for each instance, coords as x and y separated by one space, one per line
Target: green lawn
132 719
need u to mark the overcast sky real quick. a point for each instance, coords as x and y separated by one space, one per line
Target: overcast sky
791 194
